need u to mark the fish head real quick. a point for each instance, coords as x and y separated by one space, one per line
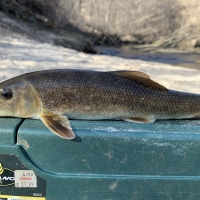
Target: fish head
19 99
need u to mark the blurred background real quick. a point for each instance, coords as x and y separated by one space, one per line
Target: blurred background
154 31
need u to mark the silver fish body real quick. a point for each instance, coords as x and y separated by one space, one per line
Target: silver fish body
54 96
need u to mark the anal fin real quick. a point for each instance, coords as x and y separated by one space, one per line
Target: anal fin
58 124
139 120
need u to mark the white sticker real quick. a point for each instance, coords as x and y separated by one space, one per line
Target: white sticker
25 178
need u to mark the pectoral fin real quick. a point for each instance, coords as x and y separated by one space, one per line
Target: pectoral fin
58 124
139 120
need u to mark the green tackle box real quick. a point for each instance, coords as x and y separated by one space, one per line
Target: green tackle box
112 160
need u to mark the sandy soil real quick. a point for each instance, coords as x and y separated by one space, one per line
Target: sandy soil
19 55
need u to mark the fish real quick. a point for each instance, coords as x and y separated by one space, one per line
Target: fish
56 96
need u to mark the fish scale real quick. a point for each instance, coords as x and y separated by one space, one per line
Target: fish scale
54 96
97 91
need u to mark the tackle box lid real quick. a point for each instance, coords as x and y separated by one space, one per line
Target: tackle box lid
8 130
163 148
108 159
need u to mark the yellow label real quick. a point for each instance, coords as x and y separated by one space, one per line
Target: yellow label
21 197
1 168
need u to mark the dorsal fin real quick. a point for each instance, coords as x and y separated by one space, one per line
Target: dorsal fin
140 77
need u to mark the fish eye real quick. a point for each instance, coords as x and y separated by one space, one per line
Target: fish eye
6 93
